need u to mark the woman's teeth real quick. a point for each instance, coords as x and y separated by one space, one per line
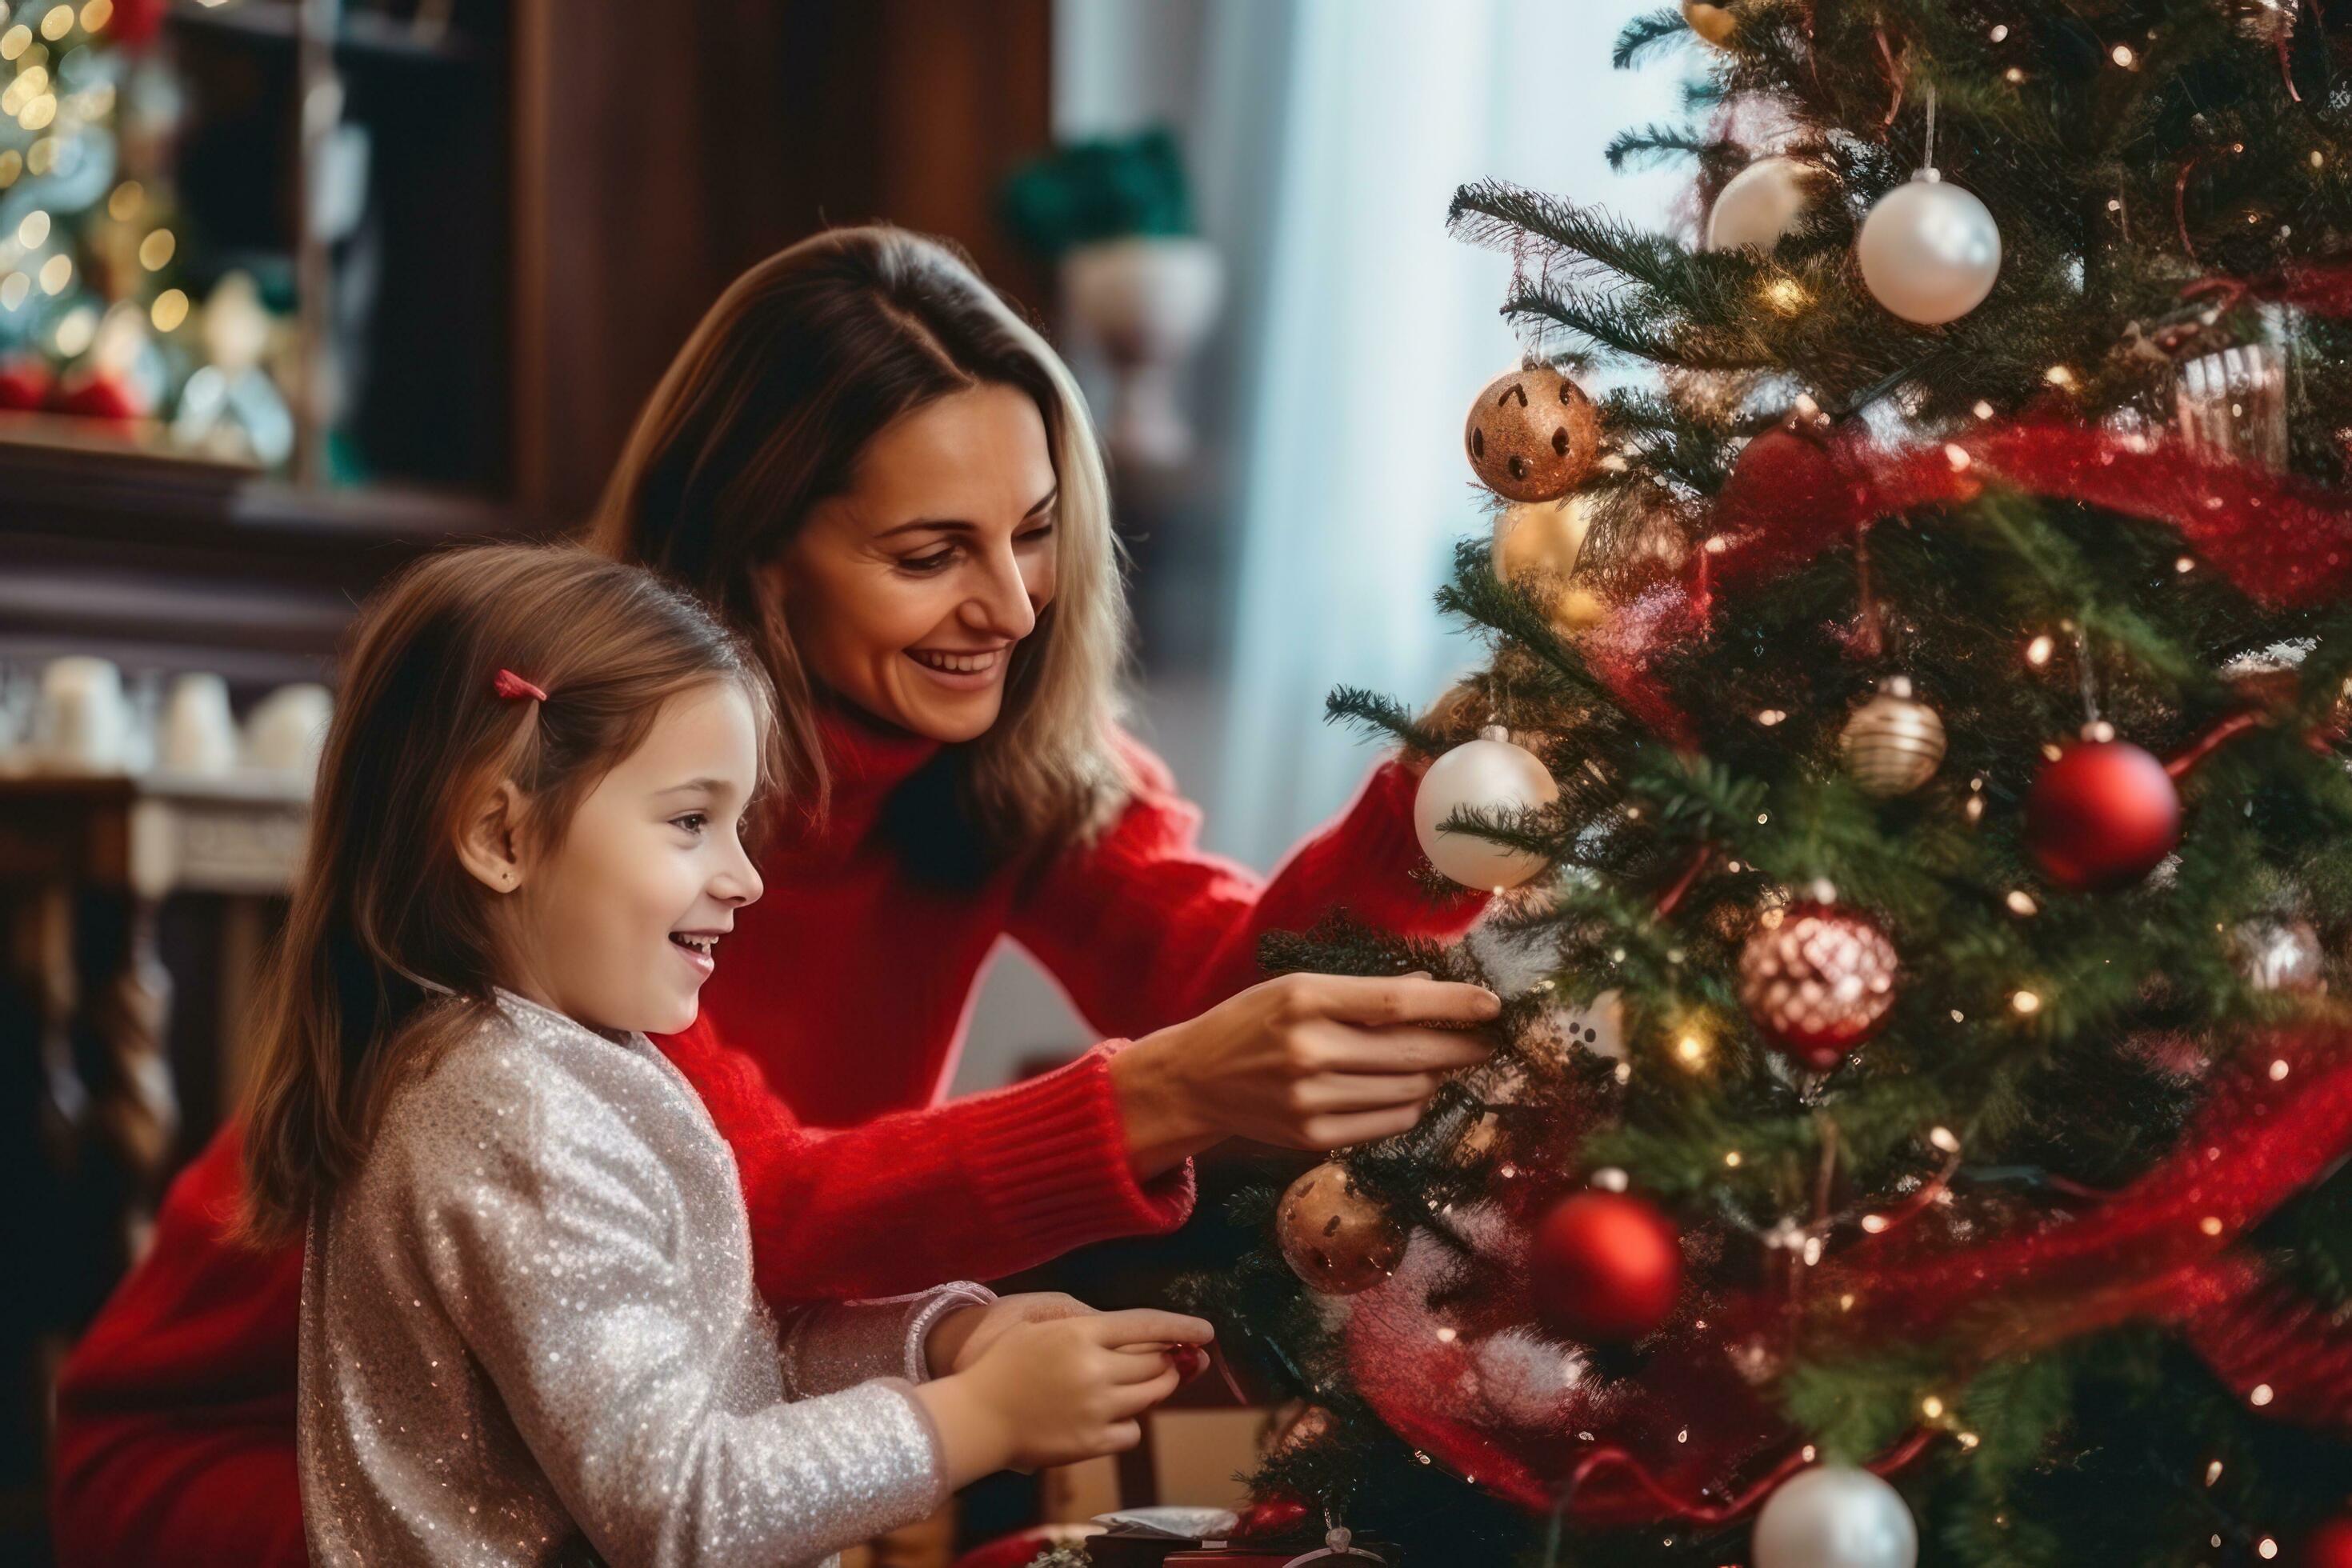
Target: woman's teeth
705 945
957 663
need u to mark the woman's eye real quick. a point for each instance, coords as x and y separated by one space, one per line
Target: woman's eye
934 562
1038 535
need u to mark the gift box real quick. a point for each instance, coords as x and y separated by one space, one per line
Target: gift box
1168 1537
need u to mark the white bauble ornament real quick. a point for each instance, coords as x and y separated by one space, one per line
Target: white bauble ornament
1929 251
1834 1515
2277 952
1758 203
1490 775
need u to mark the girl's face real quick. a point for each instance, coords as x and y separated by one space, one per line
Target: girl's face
905 594
616 926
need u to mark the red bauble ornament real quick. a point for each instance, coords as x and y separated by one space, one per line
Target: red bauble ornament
2329 1546
1818 983
2101 816
1790 467
136 22
104 397
25 384
1271 1518
1604 1267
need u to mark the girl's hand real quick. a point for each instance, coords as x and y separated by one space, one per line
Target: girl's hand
1056 1392
961 1337
1307 1061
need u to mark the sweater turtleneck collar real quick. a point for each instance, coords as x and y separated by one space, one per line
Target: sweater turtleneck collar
865 759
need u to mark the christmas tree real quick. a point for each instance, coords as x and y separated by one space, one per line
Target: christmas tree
1912 769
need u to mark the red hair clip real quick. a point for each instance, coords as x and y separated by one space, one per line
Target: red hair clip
509 684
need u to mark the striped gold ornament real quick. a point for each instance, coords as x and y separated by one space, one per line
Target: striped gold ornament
1895 743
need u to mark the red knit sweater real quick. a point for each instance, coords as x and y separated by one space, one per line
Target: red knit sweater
844 995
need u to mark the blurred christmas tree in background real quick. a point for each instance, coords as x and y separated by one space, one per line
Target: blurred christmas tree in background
96 316
1914 770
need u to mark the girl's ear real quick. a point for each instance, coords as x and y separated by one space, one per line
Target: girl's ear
489 838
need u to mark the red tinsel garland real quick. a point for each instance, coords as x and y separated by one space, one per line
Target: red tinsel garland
2278 1120
2279 540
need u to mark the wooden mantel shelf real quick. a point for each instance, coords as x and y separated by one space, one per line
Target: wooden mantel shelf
72 473
166 561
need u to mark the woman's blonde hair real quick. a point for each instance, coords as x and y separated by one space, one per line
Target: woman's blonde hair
763 414
389 949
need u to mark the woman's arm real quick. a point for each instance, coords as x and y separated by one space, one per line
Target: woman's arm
1154 939
975 1189
1144 929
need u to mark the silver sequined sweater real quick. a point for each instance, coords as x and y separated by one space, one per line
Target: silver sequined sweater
529 1335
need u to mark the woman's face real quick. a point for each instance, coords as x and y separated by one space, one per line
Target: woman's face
907 593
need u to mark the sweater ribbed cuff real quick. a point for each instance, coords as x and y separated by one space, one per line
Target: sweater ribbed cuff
1048 1158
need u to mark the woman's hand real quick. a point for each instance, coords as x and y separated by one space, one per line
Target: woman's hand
1307 1062
961 1337
1056 1392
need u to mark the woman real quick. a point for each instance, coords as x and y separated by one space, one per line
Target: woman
873 466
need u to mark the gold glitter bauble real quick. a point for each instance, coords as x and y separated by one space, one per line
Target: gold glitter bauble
1532 435
1336 1237
1540 536
1895 743
1716 24
1536 544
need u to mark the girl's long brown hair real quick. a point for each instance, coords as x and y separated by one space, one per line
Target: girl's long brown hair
763 414
389 949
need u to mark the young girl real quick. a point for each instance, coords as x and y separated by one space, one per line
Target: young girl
528 1328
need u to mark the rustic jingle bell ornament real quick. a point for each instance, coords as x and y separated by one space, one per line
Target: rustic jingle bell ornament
1335 1236
1819 982
1893 743
1532 435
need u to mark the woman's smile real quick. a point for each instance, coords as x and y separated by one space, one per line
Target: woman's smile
963 671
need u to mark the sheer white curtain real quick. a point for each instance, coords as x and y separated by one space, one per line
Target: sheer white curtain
1326 137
